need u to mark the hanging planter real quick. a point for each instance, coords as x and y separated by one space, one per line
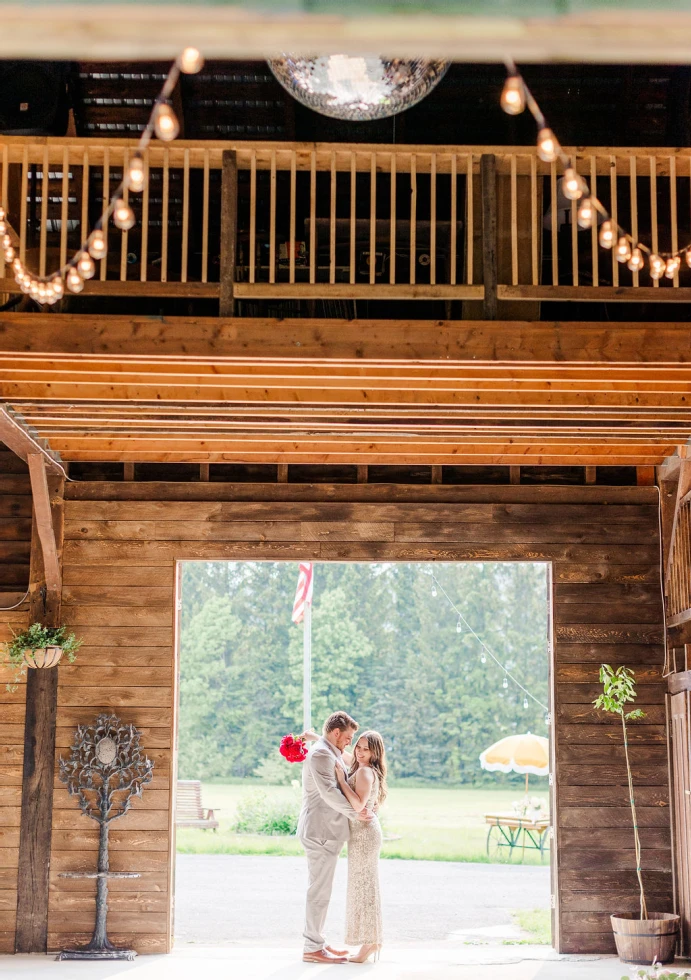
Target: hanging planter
39 647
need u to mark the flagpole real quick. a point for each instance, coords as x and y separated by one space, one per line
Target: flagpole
307 666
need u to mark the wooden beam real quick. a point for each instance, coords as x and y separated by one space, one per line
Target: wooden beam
645 476
44 521
100 32
590 474
683 487
229 230
16 437
514 475
362 474
39 751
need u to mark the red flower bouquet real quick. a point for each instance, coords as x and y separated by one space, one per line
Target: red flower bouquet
293 749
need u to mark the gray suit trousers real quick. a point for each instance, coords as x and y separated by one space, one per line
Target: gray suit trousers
322 857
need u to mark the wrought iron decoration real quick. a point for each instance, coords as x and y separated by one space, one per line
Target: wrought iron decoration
105 770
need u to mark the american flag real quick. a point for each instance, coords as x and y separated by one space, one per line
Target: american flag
303 594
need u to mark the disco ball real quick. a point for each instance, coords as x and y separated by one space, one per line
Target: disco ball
357 88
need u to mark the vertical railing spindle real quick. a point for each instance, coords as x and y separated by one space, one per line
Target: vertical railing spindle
433 221
373 219
313 217
653 209
205 218
185 213
633 193
45 194
144 264
272 220
413 216
392 221
64 205
332 221
614 211
454 218
253 216
293 216
104 205
353 214
673 209
165 202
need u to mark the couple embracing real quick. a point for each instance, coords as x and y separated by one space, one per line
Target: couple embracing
342 791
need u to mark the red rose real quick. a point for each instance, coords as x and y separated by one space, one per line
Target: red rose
293 749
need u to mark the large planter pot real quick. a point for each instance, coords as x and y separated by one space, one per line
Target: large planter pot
43 657
645 941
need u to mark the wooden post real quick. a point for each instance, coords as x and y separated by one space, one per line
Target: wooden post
362 473
282 473
514 474
436 476
128 471
229 228
39 751
488 180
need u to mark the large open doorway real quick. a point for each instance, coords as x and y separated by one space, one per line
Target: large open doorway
444 659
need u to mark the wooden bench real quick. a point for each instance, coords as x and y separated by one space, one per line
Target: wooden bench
188 807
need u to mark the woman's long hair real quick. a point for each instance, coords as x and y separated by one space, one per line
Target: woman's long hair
375 743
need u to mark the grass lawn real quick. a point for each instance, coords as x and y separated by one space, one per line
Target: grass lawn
432 824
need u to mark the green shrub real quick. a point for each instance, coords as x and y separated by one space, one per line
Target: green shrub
258 813
276 771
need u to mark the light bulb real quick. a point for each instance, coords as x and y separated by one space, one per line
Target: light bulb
191 61
75 283
25 284
547 146
17 266
687 256
586 213
58 287
459 626
85 266
657 266
548 719
636 262
97 244
41 292
123 215
49 294
165 122
3 227
9 255
623 249
434 592
505 682
573 185
513 96
2 214
483 658
672 267
525 704
135 174
6 241
606 234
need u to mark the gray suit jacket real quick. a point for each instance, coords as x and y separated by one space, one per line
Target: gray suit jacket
325 810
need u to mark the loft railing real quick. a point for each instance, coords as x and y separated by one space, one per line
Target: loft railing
262 221
678 579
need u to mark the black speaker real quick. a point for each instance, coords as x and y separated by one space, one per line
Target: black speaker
33 98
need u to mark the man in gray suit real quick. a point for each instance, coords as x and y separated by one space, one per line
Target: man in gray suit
323 829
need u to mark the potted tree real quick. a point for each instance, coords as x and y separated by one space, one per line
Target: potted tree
39 646
648 937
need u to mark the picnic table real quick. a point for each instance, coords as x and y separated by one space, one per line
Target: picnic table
508 831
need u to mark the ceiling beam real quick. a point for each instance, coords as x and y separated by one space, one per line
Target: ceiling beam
16 436
124 32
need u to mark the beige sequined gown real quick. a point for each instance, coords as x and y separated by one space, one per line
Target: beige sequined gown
363 902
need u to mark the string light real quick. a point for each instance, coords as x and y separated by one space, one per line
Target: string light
459 626
191 61
573 185
623 250
75 283
586 214
166 122
485 650
525 704
123 215
606 237
547 146
135 179
513 96
434 591
672 267
657 266
97 245
636 262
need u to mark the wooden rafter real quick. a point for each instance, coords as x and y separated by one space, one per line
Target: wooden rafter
16 436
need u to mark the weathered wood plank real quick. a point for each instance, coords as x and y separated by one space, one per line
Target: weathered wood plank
604 796
112 616
585 714
629 654
606 592
618 611
152 943
620 838
114 697
135 820
602 754
118 595
598 572
613 633
117 575
647 694
197 530
79 675
71 716
589 733
588 673
612 775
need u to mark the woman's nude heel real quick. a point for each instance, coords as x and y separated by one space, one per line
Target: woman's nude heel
373 950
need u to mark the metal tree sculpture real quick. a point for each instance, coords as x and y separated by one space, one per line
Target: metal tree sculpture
105 770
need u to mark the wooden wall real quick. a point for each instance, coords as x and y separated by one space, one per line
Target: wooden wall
15 545
121 544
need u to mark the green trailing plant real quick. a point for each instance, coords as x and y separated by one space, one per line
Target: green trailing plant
36 637
658 973
618 692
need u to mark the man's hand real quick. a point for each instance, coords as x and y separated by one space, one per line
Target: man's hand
309 735
365 815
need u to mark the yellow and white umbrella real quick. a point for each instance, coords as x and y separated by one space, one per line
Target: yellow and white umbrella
518 753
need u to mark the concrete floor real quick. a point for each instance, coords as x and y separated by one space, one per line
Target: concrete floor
228 899
415 962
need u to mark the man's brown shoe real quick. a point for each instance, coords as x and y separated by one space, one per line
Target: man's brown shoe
322 956
337 952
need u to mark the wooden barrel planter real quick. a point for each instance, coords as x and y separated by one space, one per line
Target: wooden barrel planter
43 656
645 941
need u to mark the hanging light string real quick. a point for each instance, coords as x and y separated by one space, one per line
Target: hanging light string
515 98
507 673
163 123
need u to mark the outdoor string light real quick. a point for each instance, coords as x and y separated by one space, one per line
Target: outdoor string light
485 650
163 122
515 97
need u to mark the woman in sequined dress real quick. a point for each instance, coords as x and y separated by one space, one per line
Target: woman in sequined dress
365 787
